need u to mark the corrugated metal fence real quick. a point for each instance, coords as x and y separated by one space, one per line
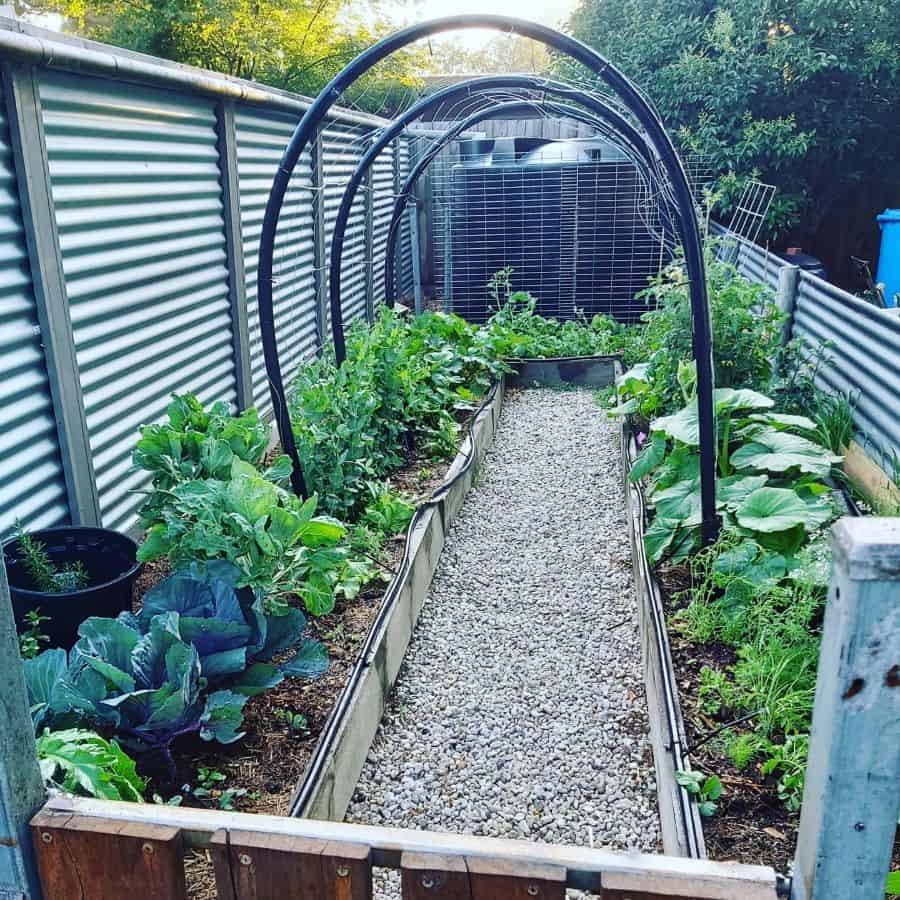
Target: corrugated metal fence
858 344
132 193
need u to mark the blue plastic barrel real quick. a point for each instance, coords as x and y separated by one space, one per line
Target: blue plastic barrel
889 260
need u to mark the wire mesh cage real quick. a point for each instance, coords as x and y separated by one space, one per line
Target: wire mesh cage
579 223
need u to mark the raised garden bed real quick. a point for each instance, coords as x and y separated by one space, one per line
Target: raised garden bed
277 768
682 828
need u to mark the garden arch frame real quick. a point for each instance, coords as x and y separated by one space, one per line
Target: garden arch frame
601 114
658 139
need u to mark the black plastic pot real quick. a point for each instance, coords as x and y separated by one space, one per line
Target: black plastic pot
111 562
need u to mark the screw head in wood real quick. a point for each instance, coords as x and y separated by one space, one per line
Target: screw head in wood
245 859
46 837
148 849
427 882
343 871
533 890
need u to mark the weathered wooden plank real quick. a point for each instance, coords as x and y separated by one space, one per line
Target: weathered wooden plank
584 865
347 868
254 866
648 885
434 876
88 858
850 799
500 879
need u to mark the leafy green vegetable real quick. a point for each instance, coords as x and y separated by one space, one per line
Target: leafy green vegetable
234 637
516 330
779 451
706 790
82 762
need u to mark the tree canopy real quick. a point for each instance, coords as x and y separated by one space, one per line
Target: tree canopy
298 45
803 92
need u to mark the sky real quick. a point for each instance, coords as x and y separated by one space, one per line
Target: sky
547 12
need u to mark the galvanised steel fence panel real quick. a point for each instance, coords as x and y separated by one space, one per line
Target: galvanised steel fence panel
136 188
32 483
342 148
404 266
155 179
752 261
260 140
382 207
860 348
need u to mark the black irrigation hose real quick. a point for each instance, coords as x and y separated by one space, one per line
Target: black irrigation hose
389 600
602 113
657 137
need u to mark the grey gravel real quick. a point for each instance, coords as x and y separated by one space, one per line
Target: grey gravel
520 709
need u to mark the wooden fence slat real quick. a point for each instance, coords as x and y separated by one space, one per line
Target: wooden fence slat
254 866
433 876
499 879
348 869
87 858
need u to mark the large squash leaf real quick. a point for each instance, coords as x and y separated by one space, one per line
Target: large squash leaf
684 425
770 509
778 451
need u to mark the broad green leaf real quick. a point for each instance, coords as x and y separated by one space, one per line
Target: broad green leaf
216 458
770 509
730 399
82 762
680 502
784 420
658 536
285 527
222 717
738 596
684 425
280 470
310 661
734 489
634 379
256 679
625 409
712 787
156 543
779 451
322 531
648 459
736 560
251 496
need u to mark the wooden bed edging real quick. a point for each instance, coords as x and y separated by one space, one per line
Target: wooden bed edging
122 849
581 371
682 825
325 789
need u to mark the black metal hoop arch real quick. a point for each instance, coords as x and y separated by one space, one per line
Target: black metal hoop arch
373 151
659 140
602 114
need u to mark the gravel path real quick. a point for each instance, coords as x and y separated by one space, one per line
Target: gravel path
520 709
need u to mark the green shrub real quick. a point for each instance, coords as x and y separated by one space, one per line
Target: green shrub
746 333
402 385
